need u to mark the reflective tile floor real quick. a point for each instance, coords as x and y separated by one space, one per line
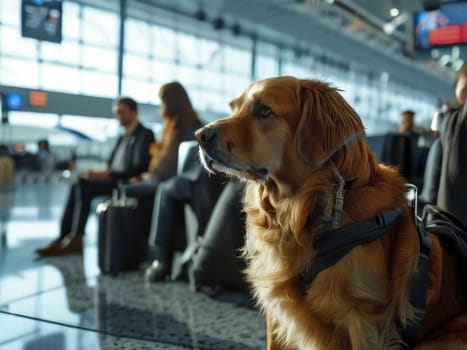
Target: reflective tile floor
64 303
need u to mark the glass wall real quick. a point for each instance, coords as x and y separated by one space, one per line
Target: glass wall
214 68
211 71
84 63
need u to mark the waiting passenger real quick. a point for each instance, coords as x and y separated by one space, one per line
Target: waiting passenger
407 148
397 149
7 181
452 191
45 157
407 125
180 121
7 166
429 194
130 157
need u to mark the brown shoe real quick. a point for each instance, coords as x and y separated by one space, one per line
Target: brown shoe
49 248
71 244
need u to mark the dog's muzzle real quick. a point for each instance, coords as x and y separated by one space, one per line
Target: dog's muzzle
215 160
206 138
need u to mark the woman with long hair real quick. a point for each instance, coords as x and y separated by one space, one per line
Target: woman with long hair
180 121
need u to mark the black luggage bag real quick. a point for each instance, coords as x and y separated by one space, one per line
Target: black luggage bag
449 229
122 241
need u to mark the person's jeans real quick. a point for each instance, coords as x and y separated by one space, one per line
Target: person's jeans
167 201
78 205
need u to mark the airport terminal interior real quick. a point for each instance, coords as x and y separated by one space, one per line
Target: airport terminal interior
65 303
63 63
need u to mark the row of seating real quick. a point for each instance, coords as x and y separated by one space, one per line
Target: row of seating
207 231
213 228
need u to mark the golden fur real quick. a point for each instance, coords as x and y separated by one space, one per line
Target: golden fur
291 139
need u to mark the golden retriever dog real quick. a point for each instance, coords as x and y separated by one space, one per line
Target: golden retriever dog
309 170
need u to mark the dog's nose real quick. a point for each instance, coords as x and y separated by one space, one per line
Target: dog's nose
205 135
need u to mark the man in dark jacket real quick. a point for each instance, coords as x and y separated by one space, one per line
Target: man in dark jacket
452 191
445 183
130 157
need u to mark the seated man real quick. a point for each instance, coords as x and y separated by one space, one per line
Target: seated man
406 147
130 157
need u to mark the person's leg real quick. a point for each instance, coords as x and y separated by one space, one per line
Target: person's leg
67 217
85 193
75 217
66 223
168 197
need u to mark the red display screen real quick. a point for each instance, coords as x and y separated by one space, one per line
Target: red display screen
448 35
445 26
38 98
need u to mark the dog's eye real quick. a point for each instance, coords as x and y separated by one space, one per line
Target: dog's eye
262 111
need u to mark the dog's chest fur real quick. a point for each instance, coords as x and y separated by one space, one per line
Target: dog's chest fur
329 314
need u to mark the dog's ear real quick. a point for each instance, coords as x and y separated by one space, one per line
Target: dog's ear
326 123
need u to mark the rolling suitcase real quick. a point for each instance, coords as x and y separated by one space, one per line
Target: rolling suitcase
122 242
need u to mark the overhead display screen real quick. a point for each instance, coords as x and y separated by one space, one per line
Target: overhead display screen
445 26
42 20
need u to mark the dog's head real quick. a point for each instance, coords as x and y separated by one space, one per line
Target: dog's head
285 128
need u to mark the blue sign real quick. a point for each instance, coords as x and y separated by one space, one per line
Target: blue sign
13 101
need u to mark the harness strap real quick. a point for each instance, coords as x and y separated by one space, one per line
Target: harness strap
418 284
334 245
